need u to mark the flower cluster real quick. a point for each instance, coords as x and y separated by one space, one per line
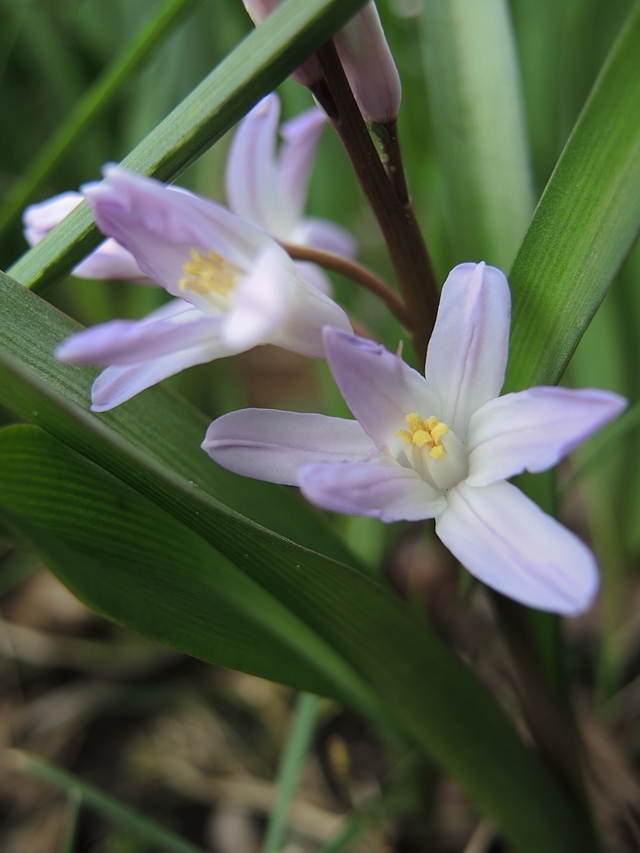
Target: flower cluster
439 446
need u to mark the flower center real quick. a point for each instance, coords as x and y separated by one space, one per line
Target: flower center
212 277
426 434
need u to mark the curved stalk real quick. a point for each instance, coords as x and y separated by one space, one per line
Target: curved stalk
356 272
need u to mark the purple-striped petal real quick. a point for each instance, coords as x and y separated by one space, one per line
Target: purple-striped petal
507 542
301 136
379 388
377 487
120 383
130 341
467 354
534 429
271 445
251 176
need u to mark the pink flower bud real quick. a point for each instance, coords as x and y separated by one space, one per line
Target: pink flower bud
366 58
369 66
310 72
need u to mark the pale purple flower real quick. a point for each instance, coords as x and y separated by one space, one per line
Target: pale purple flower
236 288
108 261
366 58
270 189
439 447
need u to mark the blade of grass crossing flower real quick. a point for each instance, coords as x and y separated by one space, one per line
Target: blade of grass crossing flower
259 64
478 121
90 106
294 755
142 828
585 224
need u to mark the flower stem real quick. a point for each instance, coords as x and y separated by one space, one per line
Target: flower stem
356 272
387 135
397 221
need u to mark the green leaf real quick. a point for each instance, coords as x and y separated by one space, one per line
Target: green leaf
129 559
421 685
478 125
259 64
155 432
584 226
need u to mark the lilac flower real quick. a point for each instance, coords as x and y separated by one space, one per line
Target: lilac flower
439 447
236 288
271 191
366 58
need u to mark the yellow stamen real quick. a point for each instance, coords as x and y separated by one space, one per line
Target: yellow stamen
427 434
211 275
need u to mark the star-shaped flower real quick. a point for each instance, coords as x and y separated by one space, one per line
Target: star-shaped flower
439 447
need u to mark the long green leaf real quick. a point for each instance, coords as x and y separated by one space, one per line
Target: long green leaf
429 692
127 558
584 226
252 70
478 125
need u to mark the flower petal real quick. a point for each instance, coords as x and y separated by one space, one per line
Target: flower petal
251 178
313 275
311 311
301 136
131 341
263 299
467 354
39 219
161 225
119 383
109 261
377 487
534 429
271 445
506 541
324 235
379 388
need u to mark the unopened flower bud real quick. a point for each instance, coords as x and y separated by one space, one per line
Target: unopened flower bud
310 72
369 66
366 58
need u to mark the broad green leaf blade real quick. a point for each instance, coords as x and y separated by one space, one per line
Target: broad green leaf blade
154 435
128 559
478 124
91 105
117 550
586 223
259 64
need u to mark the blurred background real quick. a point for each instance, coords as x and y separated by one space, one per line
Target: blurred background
197 746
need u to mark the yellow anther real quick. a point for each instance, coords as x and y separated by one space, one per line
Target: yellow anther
423 433
210 275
